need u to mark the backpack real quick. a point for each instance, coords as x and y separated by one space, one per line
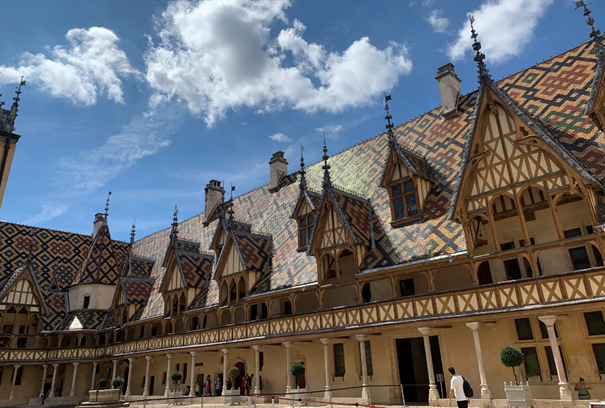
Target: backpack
468 390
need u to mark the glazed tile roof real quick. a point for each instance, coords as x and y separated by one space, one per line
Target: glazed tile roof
416 164
102 263
136 290
86 319
140 267
254 250
195 267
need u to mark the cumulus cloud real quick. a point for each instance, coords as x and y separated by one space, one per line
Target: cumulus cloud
437 21
280 137
49 211
91 65
505 28
216 55
91 169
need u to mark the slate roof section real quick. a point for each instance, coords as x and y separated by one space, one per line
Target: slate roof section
140 267
91 320
55 302
598 78
136 290
195 267
101 264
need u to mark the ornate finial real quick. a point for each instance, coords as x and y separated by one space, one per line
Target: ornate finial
326 167
484 76
175 223
230 211
30 255
388 117
595 33
7 117
132 232
303 177
107 207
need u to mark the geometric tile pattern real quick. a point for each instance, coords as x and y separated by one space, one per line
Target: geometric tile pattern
136 290
100 265
90 319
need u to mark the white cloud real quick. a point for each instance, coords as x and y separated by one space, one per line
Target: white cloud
49 211
427 3
92 64
331 132
216 55
280 137
413 3
437 21
505 28
142 137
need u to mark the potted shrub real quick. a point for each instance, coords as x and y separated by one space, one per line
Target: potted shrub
232 396
176 377
513 357
102 394
102 383
117 383
298 370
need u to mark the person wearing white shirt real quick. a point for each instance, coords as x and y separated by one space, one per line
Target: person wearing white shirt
457 389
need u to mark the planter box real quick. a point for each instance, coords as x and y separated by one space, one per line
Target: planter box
232 397
174 397
103 395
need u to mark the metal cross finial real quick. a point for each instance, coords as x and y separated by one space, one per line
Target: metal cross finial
175 222
303 177
595 33
9 122
484 76
388 117
107 207
326 167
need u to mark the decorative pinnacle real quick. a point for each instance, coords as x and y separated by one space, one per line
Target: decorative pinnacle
595 33
484 76
107 207
303 178
326 167
388 117
8 120
132 232
175 223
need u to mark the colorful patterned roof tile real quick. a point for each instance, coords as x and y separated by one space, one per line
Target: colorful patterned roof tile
136 290
101 264
82 320
140 267
55 302
199 301
254 250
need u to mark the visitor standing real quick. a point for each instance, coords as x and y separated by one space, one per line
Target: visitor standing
197 388
457 389
218 386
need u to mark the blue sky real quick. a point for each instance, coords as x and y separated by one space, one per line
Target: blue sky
151 99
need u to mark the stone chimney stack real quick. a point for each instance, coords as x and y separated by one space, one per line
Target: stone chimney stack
278 169
449 90
99 220
214 193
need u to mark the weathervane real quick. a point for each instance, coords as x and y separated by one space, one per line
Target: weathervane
595 33
107 207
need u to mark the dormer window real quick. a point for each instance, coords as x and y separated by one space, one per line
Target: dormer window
305 224
404 202
86 302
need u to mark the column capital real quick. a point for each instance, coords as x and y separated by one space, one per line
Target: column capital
75 364
474 326
131 359
115 361
193 353
424 330
17 366
549 320
55 365
225 351
169 355
361 337
44 365
148 357
256 347
325 341
95 363
287 344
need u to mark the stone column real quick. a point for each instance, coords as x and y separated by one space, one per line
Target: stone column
114 374
192 374
94 374
433 393
15 371
326 342
288 344
43 381
52 384
146 389
564 390
130 374
73 380
225 375
365 390
256 369
485 392
168 367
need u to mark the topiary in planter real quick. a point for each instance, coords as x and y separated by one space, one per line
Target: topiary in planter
233 373
511 357
117 382
102 383
297 370
176 377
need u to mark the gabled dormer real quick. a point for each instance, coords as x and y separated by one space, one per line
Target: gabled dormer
21 291
407 178
305 210
343 232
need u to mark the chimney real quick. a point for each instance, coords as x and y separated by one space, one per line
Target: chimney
278 168
214 193
449 90
99 220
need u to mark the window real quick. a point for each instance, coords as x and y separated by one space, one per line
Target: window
366 293
154 331
595 323
261 361
86 302
403 199
544 330
21 342
513 270
5 342
184 373
305 224
572 233
22 329
406 287
369 358
19 375
507 246
7 328
339 360
287 308
141 332
524 329
579 258
599 354
551 361
532 365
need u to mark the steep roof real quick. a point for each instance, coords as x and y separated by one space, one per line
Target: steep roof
102 263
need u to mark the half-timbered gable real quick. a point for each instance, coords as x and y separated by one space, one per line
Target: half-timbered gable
304 213
21 291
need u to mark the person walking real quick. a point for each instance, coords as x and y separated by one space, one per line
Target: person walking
218 386
244 384
457 389
582 387
207 387
197 389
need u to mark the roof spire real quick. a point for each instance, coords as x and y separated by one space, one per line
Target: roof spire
388 117
484 76
326 167
175 223
7 117
132 232
595 33
230 211
303 178
107 208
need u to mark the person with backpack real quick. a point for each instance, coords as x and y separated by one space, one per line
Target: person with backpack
460 388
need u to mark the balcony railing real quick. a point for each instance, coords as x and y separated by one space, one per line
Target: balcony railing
507 296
